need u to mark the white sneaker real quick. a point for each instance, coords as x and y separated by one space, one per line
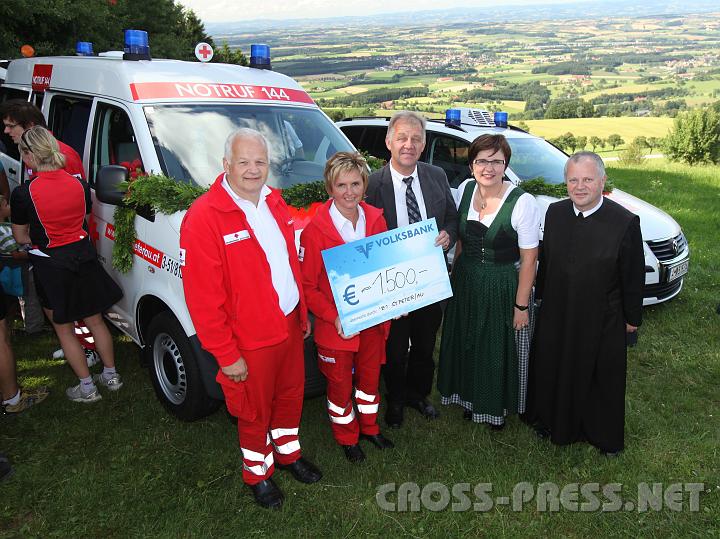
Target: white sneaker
59 354
76 394
113 383
92 357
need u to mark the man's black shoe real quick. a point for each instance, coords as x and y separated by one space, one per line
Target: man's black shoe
467 415
425 408
267 494
612 454
354 453
378 440
303 470
394 415
499 427
541 432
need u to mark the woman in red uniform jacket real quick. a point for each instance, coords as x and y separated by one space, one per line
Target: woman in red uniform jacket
48 213
346 361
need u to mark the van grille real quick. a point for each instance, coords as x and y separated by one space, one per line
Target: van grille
662 290
668 249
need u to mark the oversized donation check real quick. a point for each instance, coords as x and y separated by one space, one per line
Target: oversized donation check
384 276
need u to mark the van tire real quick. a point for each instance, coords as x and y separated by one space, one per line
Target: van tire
174 370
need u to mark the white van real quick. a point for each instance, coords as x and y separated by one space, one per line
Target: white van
174 117
667 254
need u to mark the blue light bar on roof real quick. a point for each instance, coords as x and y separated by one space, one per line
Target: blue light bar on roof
452 117
501 119
84 48
136 45
260 56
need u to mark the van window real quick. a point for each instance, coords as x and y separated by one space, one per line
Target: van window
535 158
190 140
113 141
11 93
370 138
68 120
451 155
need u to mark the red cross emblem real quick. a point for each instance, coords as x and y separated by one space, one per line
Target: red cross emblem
204 52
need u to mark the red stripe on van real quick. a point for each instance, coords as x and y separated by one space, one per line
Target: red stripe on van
204 90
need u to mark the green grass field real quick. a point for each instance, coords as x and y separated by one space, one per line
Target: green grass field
123 468
627 127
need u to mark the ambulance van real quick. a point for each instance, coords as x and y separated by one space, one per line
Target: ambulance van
169 117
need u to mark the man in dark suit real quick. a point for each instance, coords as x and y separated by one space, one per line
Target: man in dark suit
409 191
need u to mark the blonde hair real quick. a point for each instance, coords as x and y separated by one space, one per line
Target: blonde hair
343 162
39 142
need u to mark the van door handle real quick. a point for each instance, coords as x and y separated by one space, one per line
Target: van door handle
12 171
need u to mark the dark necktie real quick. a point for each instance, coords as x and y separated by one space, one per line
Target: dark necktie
580 216
411 202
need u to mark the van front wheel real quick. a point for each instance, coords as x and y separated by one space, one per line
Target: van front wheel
174 370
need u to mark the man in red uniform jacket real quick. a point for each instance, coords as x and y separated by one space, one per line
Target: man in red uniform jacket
240 276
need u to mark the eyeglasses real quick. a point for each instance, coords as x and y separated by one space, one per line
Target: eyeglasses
495 163
10 126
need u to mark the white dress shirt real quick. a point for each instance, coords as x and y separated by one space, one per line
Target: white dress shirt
271 240
345 227
592 210
400 188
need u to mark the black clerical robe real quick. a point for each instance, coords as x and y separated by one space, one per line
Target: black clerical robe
590 279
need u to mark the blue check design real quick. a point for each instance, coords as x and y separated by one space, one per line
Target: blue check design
384 276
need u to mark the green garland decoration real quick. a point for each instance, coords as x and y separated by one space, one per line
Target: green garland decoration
154 191
303 195
538 186
167 195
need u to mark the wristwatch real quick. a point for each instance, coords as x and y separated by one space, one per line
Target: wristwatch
521 307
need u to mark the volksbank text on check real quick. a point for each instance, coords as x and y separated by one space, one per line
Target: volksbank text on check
384 276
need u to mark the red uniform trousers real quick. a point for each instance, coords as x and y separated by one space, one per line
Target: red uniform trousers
268 404
337 366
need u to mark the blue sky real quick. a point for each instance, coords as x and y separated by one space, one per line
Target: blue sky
243 10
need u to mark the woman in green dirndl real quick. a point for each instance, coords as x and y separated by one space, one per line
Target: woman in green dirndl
488 321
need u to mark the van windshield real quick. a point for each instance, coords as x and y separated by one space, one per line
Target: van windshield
190 140
535 158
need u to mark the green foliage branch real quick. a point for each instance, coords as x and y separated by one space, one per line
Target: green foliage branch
695 137
154 191
538 186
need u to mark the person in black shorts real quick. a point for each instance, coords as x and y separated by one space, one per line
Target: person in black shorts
48 212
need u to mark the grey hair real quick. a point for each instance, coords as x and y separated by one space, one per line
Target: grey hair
592 156
243 132
405 116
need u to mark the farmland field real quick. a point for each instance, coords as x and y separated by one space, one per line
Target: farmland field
627 67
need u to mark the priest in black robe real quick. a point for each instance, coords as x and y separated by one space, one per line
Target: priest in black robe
590 282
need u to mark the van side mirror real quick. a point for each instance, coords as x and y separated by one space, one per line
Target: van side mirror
107 184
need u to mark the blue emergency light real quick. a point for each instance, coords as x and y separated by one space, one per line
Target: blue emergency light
260 56
136 45
501 119
452 117
84 48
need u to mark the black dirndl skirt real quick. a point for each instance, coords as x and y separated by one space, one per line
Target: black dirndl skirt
71 282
